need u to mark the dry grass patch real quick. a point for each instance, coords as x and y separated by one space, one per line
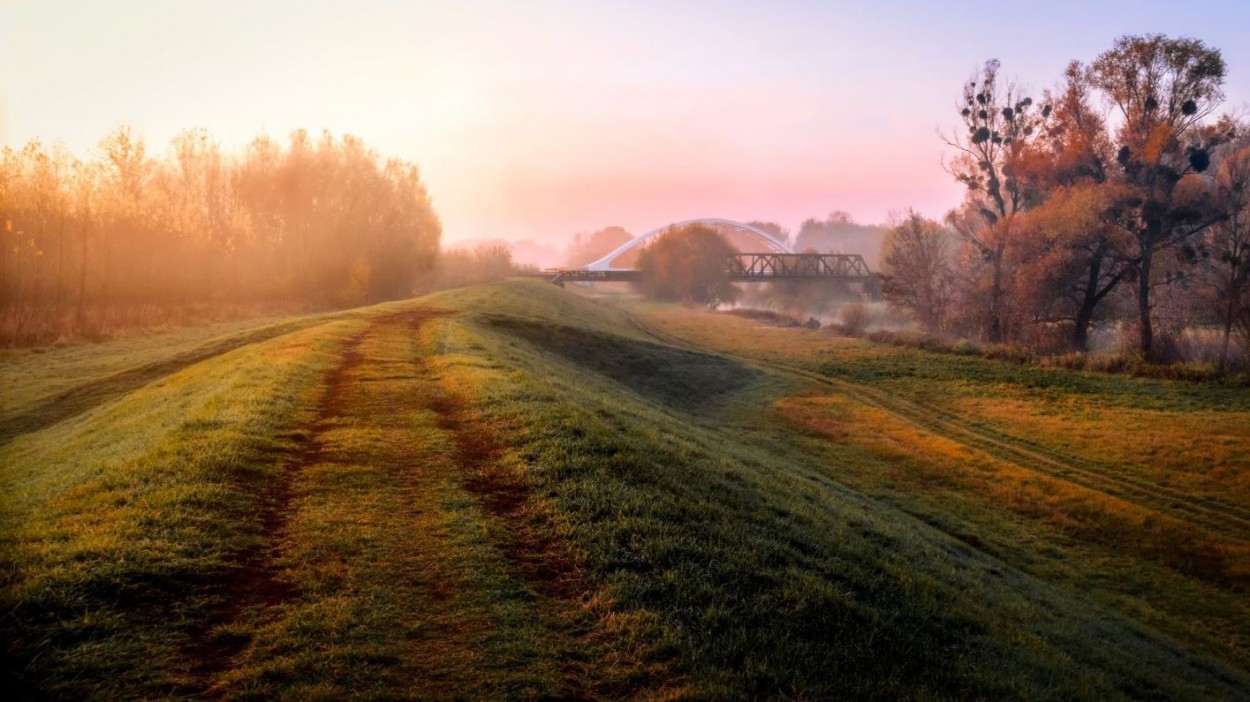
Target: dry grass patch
1204 453
926 459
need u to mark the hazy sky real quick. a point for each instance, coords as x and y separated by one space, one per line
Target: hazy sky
540 119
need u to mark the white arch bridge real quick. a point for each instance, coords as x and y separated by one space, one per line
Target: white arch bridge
777 261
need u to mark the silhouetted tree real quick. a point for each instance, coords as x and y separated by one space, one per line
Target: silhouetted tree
479 264
840 233
777 231
1228 246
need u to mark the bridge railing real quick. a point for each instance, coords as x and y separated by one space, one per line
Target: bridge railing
560 276
747 267
778 266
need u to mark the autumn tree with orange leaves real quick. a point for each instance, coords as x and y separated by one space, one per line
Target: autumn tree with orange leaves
1161 89
687 264
130 238
1077 209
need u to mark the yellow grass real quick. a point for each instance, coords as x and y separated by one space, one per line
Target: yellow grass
1206 453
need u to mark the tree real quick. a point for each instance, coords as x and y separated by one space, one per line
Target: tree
840 233
85 186
1067 249
479 264
1162 89
590 248
916 271
777 231
138 236
999 124
1065 269
688 264
1228 243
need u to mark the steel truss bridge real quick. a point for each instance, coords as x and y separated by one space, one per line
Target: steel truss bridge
751 267
782 263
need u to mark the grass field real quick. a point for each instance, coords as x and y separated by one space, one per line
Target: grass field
515 491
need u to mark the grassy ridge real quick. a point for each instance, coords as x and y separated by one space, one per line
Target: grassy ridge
772 575
1128 491
112 519
42 378
544 495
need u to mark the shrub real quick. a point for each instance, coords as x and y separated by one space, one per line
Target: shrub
856 318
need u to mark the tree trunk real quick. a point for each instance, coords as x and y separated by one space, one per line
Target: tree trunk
82 283
60 264
1143 302
1229 312
996 297
1080 335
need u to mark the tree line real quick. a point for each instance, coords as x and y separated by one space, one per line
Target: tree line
1119 198
99 242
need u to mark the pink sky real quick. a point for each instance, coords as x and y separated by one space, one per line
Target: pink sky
541 119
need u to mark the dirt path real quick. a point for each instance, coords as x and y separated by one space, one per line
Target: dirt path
400 557
254 583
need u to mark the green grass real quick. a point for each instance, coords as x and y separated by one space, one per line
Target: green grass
1058 473
397 589
541 494
775 575
112 518
44 386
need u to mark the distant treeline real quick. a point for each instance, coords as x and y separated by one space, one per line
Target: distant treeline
125 237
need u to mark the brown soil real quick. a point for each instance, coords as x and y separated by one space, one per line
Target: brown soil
255 582
536 557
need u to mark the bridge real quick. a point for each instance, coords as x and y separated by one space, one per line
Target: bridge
780 262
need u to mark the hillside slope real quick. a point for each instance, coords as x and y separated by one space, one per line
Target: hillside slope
517 491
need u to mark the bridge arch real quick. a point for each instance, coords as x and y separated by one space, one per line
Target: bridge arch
763 237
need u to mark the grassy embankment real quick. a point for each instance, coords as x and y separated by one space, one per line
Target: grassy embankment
514 491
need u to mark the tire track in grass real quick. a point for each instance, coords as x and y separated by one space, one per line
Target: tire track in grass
1205 513
403 557
254 582
538 559
411 570
595 661
1208 512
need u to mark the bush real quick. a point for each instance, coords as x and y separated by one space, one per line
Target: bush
856 318
486 262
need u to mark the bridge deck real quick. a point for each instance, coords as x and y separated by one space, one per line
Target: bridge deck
753 267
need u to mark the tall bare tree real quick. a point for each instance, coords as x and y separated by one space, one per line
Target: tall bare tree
917 274
999 123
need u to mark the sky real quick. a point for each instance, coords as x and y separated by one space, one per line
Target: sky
537 120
